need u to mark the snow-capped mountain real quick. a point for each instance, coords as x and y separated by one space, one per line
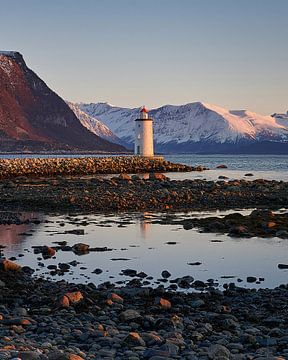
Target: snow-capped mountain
194 127
94 125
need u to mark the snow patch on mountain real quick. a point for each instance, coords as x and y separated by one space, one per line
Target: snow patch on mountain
94 125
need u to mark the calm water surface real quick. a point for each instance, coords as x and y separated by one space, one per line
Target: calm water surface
143 246
261 166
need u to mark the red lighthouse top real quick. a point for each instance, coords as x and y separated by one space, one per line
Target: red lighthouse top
144 110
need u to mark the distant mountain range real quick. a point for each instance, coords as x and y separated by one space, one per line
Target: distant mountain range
34 118
198 127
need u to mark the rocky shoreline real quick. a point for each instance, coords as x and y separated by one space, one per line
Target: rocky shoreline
261 223
48 320
48 167
134 193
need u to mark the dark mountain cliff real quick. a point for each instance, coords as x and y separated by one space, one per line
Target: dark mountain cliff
34 118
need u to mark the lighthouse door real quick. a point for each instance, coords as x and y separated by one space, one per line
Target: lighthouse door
138 150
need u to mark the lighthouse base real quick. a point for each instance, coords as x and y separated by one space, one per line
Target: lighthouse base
154 157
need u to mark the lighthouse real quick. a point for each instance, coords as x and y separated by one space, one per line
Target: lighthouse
144 134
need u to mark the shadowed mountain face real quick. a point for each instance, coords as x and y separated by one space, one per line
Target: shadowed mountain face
34 118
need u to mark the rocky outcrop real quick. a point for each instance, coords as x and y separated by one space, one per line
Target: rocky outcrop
33 117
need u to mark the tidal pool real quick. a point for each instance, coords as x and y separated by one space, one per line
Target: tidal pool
140 244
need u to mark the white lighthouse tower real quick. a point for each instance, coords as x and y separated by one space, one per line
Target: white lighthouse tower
144 134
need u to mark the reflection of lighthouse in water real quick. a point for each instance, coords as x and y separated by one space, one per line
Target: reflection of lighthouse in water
145 224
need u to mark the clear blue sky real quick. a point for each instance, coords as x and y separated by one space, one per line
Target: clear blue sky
233 53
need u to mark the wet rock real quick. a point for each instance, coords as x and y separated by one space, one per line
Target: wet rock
75 232
129 272
163 303
238 230
124 177
199 284
185 282
47 252
97 271
221 166
129 315
282 266
157 176
133 339
196 263
218 352
73 263
165 274
64 267
116 298
80 248
71 298
8 265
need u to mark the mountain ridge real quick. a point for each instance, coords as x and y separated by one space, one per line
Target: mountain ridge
194 126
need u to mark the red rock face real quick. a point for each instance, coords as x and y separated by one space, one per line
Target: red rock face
33 117
15 96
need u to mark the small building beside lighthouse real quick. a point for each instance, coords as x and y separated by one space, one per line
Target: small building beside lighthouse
144 134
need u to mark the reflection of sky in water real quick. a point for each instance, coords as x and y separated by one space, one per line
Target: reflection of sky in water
144 244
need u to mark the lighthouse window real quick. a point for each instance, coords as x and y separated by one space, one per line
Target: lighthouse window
138 125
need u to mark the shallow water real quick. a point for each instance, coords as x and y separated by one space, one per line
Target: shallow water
234 162
144 245
269 167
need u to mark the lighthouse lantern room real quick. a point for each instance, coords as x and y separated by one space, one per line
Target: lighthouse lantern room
144 134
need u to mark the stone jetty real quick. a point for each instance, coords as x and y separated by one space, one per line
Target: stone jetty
44 320
49 167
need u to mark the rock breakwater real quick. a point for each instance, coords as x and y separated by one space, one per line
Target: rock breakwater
49 167
45 320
